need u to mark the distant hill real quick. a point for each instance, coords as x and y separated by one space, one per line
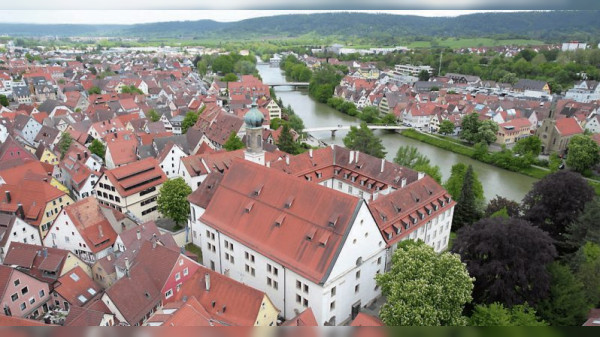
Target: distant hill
549 26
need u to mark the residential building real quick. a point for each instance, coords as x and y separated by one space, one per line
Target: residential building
410 70
573 45
87 229
14 229
512 131
74 289
132 188
22 295
585 91
155 275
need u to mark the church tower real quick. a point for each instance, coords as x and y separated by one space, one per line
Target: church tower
254 149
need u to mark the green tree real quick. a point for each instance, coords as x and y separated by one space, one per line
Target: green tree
64 143
446 127
470 128
554 162
296 123
223 64
4 100
189 120
153 115
131 89
468 208
486 132
410 157
202 67
423 75
584 153
585 228
457 176
528 146
587 270
233 143
369 114
230 77
94 91
286 141
362 139
423 287
389 119
276 123
566 304
496 314
323 82
97 148
172 200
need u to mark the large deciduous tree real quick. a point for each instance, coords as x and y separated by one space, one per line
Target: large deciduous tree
409 156
172 200
424 288
446 127
499 203
586 228
555 201
97 148
233 142
508 259
584 153
470 128
64 143
286 141
362 139
468 208
528 146
496 314
566 303
153 115
189 120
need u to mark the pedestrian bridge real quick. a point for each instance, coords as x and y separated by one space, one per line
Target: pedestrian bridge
288 84
334 129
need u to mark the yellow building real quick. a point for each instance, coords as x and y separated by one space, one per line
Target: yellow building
48 157
511 131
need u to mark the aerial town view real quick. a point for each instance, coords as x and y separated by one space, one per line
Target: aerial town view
322 168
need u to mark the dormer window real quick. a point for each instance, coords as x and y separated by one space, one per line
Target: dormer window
279 220
311 234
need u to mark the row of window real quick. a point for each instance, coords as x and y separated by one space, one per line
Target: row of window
149 210
147 201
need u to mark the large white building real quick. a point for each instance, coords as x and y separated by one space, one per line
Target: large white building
573 45
584 92
320 241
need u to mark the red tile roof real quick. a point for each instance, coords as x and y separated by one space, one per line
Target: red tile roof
33 260
122 151
34 195
76 287
395 213
92 224
568 127
249 200
234 303
17 321
305 318
363 319
137 176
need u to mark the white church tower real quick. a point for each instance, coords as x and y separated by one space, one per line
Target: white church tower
254 148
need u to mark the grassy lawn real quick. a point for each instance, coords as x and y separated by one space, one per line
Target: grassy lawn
194 249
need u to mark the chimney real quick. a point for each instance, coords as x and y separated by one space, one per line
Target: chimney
310 153
108 257
116 136
351 159
100 231
20 211
287 160
7 197
138 235
357 153
127 266
207 281
403 183
45 252
154 239
421 175
78 156
382 165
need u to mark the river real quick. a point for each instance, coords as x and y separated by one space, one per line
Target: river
495 181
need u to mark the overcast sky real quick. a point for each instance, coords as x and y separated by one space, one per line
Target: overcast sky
141 11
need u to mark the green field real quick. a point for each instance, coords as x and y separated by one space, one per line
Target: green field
474 42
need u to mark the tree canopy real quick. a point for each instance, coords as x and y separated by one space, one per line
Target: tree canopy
233 142
4 100
468 208
64 143
455 182
528 146
189 120
446 127
410 157
499 203
286 141
97 148
423 287
583 154
566 303
508 259
496 314
153 115
362 139
172 200
555 201
476 131
586 227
